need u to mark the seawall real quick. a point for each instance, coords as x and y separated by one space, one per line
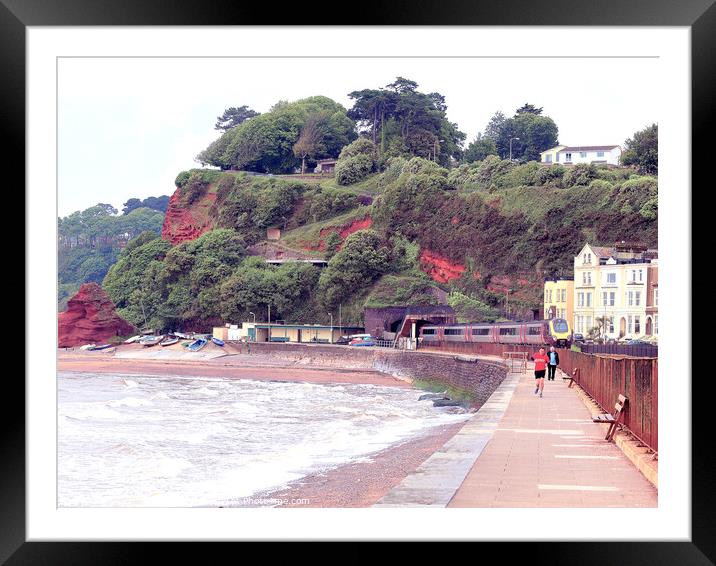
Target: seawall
479 376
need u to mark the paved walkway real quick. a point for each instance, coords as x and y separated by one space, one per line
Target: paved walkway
527 451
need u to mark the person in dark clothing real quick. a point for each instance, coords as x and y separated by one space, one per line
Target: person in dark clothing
552 364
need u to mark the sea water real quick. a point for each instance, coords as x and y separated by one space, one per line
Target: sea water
170 441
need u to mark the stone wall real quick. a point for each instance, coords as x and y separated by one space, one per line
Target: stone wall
479 376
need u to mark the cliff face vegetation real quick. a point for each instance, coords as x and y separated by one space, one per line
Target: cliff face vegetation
413 233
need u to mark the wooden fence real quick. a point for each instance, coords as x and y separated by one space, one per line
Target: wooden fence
603 377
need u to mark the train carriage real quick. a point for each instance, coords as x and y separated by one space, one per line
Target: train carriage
555 332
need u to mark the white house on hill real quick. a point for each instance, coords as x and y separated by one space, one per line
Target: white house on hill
571 155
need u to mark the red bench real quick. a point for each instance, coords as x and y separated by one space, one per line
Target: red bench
612 419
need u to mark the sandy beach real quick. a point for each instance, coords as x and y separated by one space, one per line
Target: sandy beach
230 365
358 484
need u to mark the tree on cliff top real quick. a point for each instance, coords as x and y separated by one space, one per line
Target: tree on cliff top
233 116
265 142
642 150
311 140
403 121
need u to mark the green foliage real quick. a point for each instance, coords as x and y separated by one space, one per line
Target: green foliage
362 259
361 146
197 184
401 290
469 309
353 169
234 116
255 285
479 149
154 203
642 150
174 286
90 242
356 161
634 194
402 121
332 242
250 205
536 133
266 143
580 174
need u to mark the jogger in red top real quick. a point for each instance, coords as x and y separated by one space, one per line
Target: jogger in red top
541 360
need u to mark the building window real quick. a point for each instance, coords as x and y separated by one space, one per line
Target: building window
568 157
656 297
611 278
580 299
637 298
630 298
582 154
637 326
630 324
589 323
656 324
589 299
600 154
558 158
548 158
610 325
611 298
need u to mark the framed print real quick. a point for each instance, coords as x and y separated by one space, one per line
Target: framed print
263 237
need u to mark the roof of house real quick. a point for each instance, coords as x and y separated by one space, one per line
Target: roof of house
588 147
556 147
602 251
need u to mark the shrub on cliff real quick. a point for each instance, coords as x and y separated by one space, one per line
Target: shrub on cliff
362 259
254 285
131 283
353 169
469 309
580 174
356 161
249 205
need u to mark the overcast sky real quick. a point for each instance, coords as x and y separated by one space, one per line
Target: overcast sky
127 127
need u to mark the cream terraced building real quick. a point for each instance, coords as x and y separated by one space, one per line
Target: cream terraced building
620 286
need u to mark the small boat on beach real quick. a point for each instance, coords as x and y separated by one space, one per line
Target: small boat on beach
148 341
169 340
132 339
87 346
102 347
217 341
197 345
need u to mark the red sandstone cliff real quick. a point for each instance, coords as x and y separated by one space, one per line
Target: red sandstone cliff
182 223
90 317
440 269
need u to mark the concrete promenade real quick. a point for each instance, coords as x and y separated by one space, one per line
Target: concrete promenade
521 450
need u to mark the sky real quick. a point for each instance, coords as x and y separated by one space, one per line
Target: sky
128 126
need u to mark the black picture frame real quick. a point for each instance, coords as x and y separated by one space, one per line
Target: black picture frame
17 15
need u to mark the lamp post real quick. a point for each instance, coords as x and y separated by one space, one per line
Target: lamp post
507 301
511 147
331 315
254 324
